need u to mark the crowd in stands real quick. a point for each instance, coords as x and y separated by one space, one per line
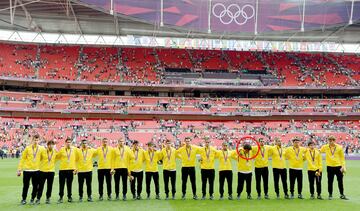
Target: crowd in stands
147 65
15 131
123 104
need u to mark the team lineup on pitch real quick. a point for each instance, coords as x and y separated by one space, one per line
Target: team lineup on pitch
180 105
37 164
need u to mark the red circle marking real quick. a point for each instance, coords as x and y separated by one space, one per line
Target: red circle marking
243 139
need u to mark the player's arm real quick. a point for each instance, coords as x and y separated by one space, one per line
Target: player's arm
77 158
319 163
113 160
143 152
160 154
43 154
198 149
304 150
94 152
234 155
287 153
199 152
59 155
322 149
342 159
179 152
78 154
131 159
307 155
254 149
111 149
22 161
217 154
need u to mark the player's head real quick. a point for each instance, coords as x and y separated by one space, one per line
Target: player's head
35 139
296 142
311 144
261 141
50 144
68 142
121 142
331 140
277 142
247 147
224 145
207 141
168 143
84 143
136 144
187 141
150 145
104 142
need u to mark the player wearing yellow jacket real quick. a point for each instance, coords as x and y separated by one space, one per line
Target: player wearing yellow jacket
136 169
314 160
225 170
47 170
120 166
296 156
168 157
244 169
277 153
335 165
261 168
68 157
29 165
151 157
187 154
85 167
207 160
104 153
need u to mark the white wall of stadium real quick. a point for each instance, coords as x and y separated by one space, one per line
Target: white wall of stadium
176 42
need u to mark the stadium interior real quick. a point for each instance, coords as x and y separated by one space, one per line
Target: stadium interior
156 92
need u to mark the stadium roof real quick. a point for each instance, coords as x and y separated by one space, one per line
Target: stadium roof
87 17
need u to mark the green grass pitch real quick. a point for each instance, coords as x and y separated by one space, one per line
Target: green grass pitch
10 195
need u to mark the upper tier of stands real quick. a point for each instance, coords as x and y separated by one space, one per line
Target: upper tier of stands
147 65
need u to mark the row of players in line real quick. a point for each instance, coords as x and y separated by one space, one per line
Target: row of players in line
38 165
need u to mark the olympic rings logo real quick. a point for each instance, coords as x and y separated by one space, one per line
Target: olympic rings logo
233 13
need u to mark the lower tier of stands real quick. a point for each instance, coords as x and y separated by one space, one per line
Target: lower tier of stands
14 131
